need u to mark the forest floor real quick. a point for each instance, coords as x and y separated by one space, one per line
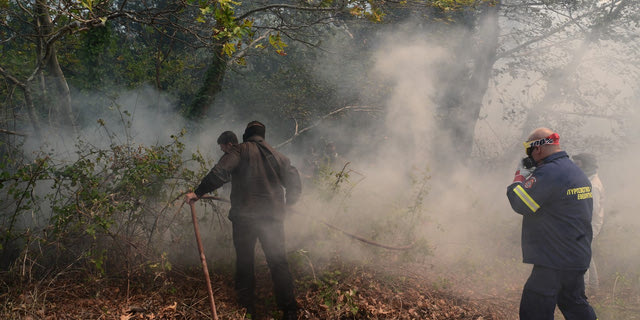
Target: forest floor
339 292
333 291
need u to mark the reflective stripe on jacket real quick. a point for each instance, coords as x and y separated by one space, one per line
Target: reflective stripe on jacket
556 204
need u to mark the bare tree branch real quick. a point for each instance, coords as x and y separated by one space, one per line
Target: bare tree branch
287 6
544 36
5 131
35 122
11 78
317 123
241 53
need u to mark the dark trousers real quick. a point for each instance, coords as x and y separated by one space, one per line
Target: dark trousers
271 236
547 288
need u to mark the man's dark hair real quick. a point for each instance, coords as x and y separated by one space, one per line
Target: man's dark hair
254 128
227 137
255 123
589 163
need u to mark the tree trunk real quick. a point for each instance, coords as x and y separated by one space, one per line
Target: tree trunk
60 95
28 100
31 110
463 102
211 86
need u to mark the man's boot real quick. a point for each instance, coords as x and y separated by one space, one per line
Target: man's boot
290 315
251 313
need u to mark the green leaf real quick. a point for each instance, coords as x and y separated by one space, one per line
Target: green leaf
206 10
228 49
87 4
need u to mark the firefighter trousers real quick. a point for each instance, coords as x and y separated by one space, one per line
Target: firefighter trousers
547 288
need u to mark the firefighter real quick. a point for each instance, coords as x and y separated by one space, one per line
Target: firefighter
589 165
227 141
554 198
263 183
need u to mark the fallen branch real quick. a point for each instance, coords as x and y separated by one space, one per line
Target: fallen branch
367 241
354 236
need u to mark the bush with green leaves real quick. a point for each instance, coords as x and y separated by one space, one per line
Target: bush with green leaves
111 206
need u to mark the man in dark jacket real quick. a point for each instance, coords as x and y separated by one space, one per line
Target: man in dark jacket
555 200
589 165
263 183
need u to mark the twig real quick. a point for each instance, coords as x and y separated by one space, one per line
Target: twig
340 175
155 222
313 272
613 291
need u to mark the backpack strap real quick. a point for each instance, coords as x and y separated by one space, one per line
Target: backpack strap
271 160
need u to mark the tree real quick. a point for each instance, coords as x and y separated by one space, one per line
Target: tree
462 99
32 34
260 26
31 27
550 45
223 32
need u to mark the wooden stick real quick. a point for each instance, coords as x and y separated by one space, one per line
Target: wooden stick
215 198
203 259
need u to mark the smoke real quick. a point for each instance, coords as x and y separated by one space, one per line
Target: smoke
395 188
398 190
466 217
411 113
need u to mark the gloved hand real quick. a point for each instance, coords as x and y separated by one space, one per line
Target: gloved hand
522 173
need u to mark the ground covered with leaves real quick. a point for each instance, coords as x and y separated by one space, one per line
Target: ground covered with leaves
337 292
332 291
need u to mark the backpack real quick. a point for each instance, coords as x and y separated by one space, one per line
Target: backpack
287 174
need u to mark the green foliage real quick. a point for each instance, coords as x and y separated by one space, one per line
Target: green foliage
95 49
227 30
102 205
335 299
168 47
331 181
87 4
276 42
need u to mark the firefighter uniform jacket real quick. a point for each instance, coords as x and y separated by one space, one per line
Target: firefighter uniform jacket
258 187
556 204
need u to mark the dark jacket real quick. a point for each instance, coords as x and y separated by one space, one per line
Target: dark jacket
556 204
258 187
